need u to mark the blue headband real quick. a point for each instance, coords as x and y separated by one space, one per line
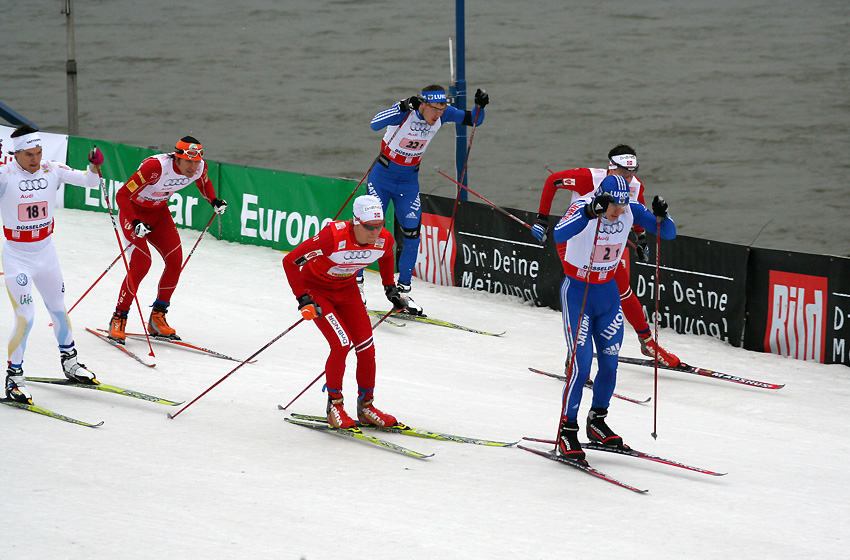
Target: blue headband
434 96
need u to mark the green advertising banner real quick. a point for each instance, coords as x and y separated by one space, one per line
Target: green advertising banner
265 207
280 209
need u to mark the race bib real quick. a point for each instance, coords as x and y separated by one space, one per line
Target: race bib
31 211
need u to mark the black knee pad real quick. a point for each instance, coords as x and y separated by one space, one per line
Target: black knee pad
412 233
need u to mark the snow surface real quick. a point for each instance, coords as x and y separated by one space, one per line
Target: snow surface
228 478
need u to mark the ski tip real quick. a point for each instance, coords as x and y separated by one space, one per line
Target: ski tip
98 425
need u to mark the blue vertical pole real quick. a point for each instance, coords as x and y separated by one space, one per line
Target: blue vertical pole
460 93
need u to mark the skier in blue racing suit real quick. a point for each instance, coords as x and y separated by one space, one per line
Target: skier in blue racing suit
410 124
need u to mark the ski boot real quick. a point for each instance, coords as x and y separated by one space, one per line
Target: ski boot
412 307
337 416
568 444
74 370
369 415
599 432
117 326
16 389
157 325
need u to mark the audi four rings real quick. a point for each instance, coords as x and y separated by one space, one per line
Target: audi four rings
176 182
353 255
33 184
611 228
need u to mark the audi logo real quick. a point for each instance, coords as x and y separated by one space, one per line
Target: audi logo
616 227
176 182
33 184
419 126
356 255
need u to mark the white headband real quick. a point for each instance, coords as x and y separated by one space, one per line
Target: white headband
26 142
629 161
367 208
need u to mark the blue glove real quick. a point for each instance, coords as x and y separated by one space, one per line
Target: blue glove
540 227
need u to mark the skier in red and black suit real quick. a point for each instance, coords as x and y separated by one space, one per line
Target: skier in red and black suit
322 274
146 221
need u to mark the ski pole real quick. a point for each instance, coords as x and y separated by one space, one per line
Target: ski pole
248 359
198 241
655 323
374 161
462 175
108 268
390 312
505 212
569 371
126 264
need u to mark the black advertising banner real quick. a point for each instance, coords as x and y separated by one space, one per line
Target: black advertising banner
488 251
798 305
792 304
702 289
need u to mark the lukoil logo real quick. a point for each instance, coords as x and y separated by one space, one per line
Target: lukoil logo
796 324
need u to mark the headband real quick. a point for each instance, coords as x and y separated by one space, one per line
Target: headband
26 142
189 151
629 161
434 97
367 208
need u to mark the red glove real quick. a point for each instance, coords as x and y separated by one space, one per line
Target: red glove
96 157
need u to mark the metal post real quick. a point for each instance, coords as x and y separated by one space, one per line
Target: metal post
71 69
460 95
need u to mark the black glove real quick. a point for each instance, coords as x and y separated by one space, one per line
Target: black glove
597 206
219 205
641 247
659 207
541 226
410 104
481 98
140 228
395 297
309 309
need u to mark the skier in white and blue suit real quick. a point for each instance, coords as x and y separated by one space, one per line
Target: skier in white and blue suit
597 226
410 124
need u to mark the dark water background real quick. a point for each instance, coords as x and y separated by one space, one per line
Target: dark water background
739 109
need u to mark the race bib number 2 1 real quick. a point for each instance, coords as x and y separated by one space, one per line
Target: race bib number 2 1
606 253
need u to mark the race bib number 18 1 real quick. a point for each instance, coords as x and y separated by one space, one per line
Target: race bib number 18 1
30 211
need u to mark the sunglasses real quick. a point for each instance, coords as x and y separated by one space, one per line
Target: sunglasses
192 154
631 170
372 228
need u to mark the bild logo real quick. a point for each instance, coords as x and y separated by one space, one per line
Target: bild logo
796 323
